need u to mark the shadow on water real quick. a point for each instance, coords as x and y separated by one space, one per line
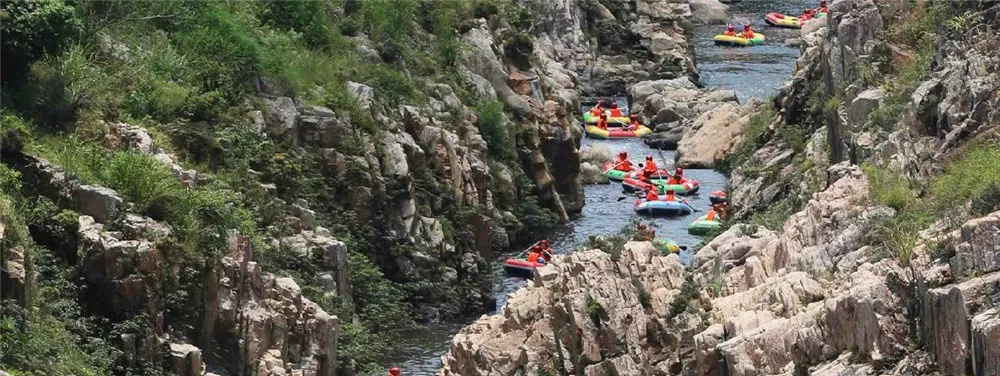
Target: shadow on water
753 72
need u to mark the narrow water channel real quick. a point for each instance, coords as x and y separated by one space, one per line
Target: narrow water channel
753 72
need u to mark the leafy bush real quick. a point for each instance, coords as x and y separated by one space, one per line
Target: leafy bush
226 53
689 290
381 308
493 126
643 295
388 21
519 48
41 343
32 29
595 311
13 131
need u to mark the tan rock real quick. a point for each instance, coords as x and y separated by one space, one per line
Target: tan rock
711 136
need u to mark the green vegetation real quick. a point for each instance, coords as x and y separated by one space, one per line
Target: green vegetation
595 311
973 178
493 126
689 290
643 295
753 138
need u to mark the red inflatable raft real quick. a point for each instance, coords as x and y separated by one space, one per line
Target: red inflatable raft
520 268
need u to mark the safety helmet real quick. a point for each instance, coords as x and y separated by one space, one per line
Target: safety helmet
394 371
545 242
623 154
746 26
649 157
822 3
633 117
679 171
729 26
536 247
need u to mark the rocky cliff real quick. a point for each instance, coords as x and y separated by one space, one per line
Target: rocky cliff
836 263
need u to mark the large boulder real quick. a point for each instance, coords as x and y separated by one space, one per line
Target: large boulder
712 136
709 11
986 343
102 203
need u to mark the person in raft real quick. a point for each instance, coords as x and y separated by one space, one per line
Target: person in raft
602 122
634 122
717 213
651 194
598 110
678 177
622 163
535 255
730 31
806 15
747 31
546 249
394 371
822 7
615 112
670 196
649 169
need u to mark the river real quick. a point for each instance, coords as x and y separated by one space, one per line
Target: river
753 72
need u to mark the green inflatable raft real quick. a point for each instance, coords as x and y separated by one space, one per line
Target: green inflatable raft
702 226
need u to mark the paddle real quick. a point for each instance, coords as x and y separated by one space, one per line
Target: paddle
613 167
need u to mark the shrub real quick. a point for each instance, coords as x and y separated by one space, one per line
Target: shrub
388 21
140 179
493 126
689 290
889 188
643 295
41 343
519 48
14 131
595 311
32 29
227 55
307 17
974 176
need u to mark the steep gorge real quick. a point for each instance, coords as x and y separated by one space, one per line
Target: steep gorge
864 239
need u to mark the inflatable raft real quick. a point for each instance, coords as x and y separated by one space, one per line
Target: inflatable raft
689 187
663 208
727 40
616 132
781 20
589 118
667 246
619 175
520 267
702 226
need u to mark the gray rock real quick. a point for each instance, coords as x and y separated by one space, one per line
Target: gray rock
281 116
985 346
185 360
102 203
709 11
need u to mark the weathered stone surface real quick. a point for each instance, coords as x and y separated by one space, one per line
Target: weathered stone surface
102 203
979 250
709 11
864 104
280 115
985 344
186 360
711 136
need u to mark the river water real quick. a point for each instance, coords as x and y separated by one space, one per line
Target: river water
753 72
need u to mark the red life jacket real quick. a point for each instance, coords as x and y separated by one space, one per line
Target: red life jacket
616 112
651 195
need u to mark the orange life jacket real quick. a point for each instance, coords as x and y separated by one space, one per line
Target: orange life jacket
651 195
675 180
623 164
533 256
670 197
824 10
596 111
730 33
650 166
635 124
602 123
748 34
711 215
616 112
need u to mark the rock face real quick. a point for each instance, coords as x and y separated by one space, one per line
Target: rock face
709 12
670 107
584 314
712 135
